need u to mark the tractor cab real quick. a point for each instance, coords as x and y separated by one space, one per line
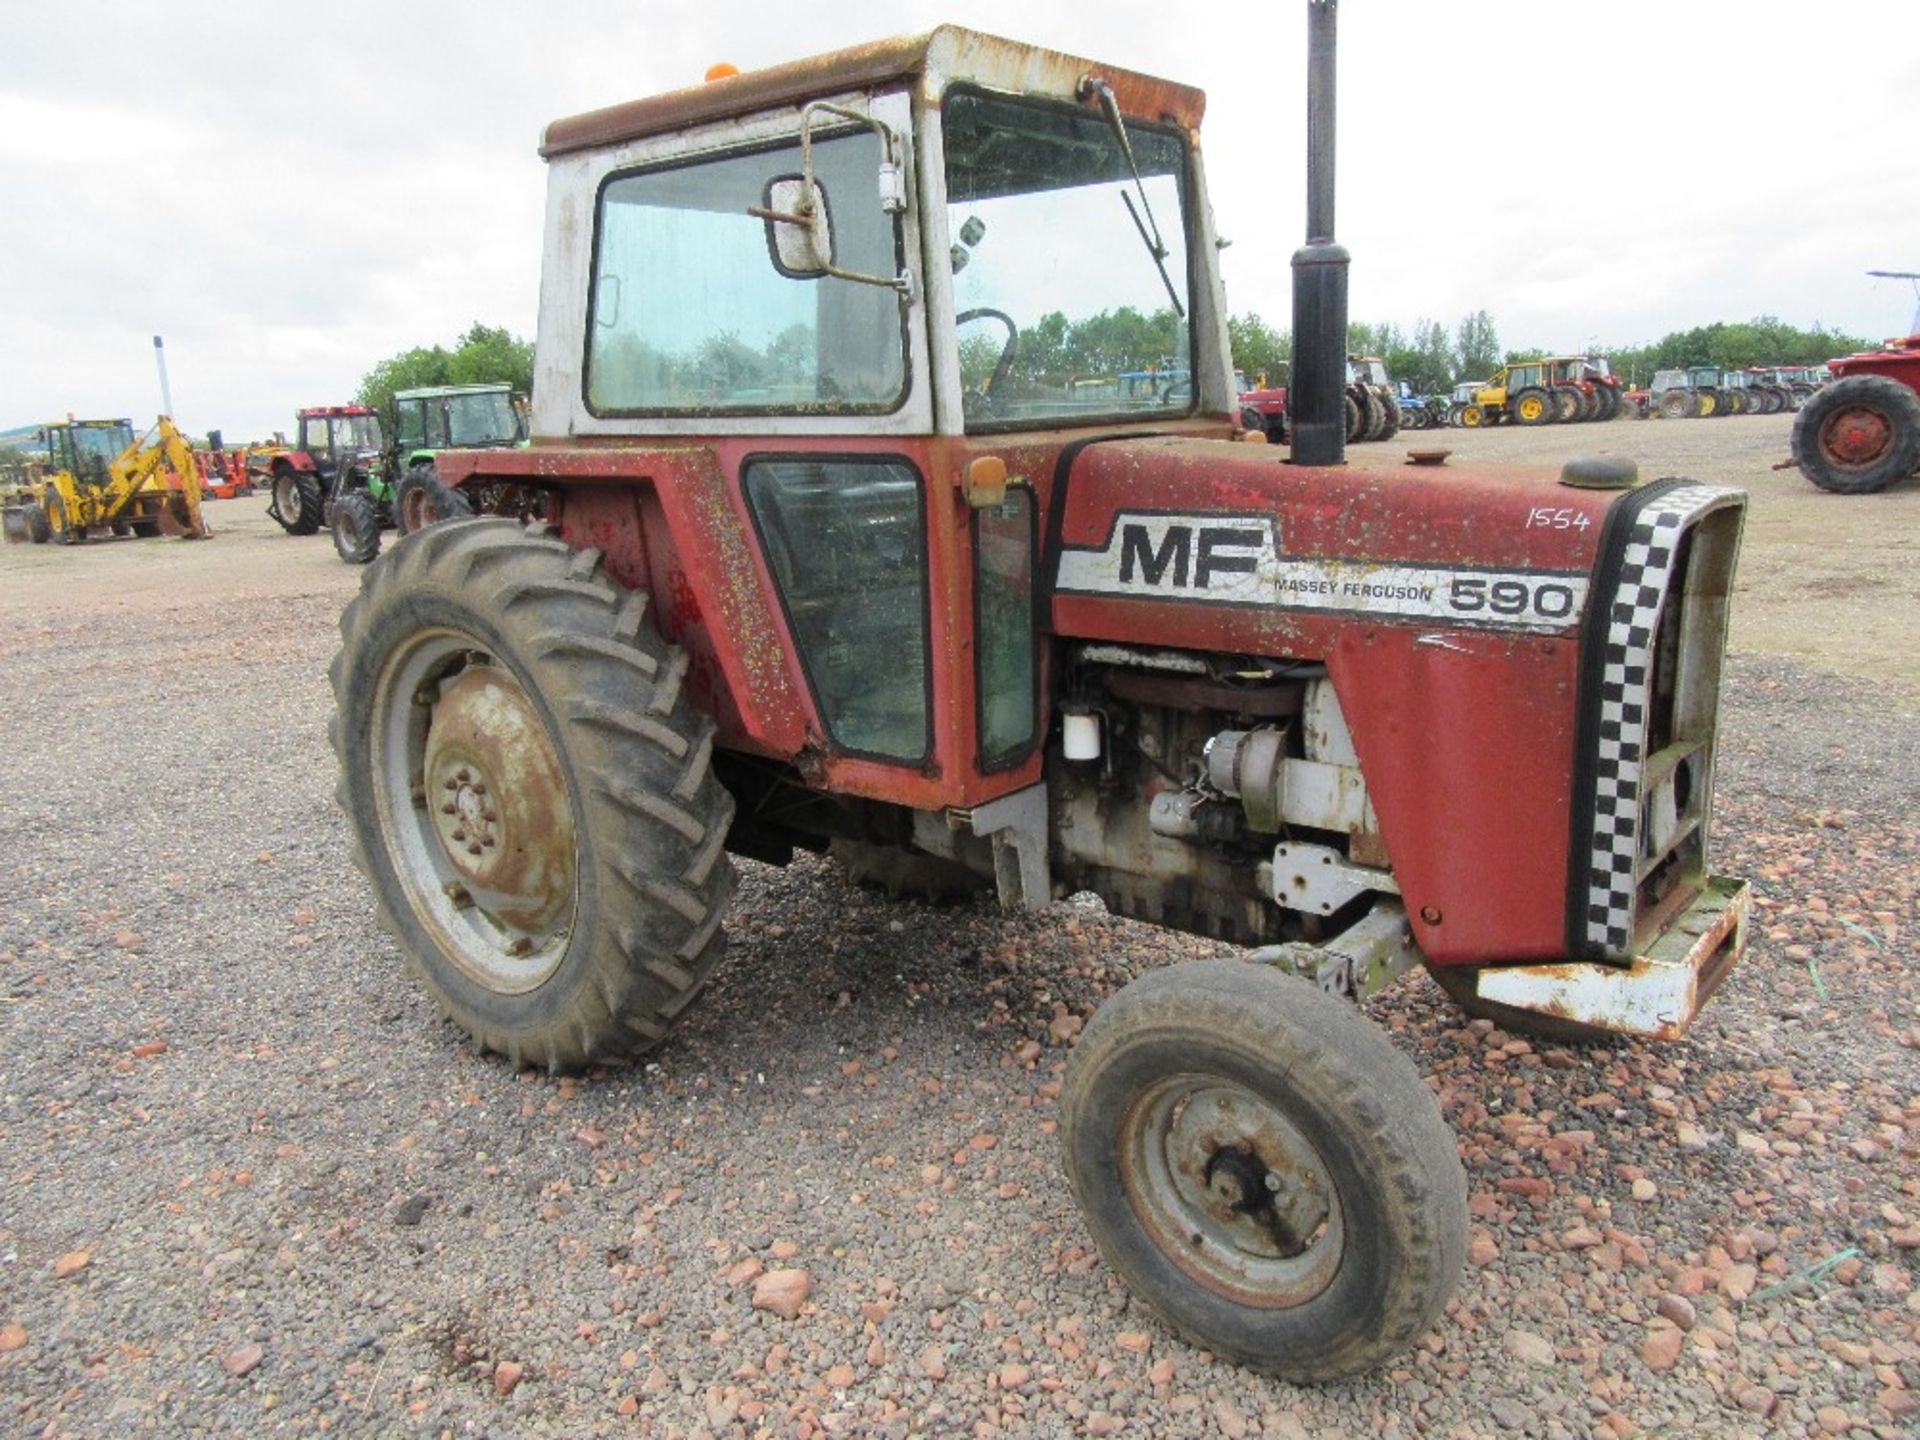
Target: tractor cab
339 432
447 417
86 449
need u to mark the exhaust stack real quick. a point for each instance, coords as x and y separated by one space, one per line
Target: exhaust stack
166 390
1317 388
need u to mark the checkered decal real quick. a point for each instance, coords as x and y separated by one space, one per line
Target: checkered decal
1646 571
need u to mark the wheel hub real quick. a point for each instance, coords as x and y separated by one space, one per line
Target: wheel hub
1232 1191
497 802
1857 436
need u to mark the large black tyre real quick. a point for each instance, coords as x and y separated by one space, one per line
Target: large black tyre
1458 983
1219 1115
144 529
1677 404
1356 419
1394 419
1707 405
297 500
1566 404
422 498
355 523
1374 427
1533 406
1858 435
1609 404
39 531
59 522
500 667
908 874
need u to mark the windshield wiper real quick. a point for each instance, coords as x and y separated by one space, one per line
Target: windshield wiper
1093 86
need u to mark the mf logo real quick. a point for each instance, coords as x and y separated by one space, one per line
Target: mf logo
1203 550
1214 557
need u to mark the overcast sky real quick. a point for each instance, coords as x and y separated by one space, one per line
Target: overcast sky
291 193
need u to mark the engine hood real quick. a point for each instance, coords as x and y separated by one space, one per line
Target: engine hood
1148 535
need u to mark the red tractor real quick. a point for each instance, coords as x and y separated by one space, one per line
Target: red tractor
337 449
807 568
1862 432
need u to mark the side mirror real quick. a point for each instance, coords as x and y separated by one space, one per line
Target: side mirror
799 227
799 224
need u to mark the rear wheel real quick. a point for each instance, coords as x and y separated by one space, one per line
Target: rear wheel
1263 1168
1566 405
531 792
1375 426
1356 420
297 500
356 527
1706 404
1533 407
1858 435
422 497
1394 418
1472 417
39 531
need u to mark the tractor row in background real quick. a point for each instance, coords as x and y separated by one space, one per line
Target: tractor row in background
1377 406
345 473
1553 389
1698 392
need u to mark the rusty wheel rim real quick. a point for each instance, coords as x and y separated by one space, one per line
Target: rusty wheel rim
1856 435
1231 1191
416 509
474 810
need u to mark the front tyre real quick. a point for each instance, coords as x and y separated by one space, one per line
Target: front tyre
356 528
1264 1169
531 792
423 498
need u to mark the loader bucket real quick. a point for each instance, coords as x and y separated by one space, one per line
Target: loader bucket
180 517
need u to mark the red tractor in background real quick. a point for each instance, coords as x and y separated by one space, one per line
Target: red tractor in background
1861 433
818 557
336 449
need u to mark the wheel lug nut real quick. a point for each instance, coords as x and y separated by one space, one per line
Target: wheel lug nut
449 784
473 849
463 774
449 808
1273 1183
479 787
488 842
459 835
520 946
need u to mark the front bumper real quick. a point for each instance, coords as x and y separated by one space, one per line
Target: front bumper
1659 992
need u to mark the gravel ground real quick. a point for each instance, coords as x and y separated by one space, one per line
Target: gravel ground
250 1184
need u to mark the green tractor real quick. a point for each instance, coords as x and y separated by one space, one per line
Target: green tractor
408 493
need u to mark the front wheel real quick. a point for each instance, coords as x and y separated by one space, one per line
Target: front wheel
356 527
1263 1168
1859 435
531 792
1533 407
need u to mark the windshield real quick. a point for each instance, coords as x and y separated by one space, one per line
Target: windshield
356 432
485 419
1061 309
1371 372
1598 364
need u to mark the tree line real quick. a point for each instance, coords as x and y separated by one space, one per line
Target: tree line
1430 356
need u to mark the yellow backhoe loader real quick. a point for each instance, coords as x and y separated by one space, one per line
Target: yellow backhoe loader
98 475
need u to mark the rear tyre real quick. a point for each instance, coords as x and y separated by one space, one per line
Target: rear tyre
1859 435
144 529
1566 405
1533 407
39 531
297 501
1706 404
1394 418
423 498
356 527
1356 420
531 792
1264 1169
1472 417
1375 425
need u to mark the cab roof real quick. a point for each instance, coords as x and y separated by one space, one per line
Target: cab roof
934 59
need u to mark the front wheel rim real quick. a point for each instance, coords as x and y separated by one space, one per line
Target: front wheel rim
1231 1191
474 811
